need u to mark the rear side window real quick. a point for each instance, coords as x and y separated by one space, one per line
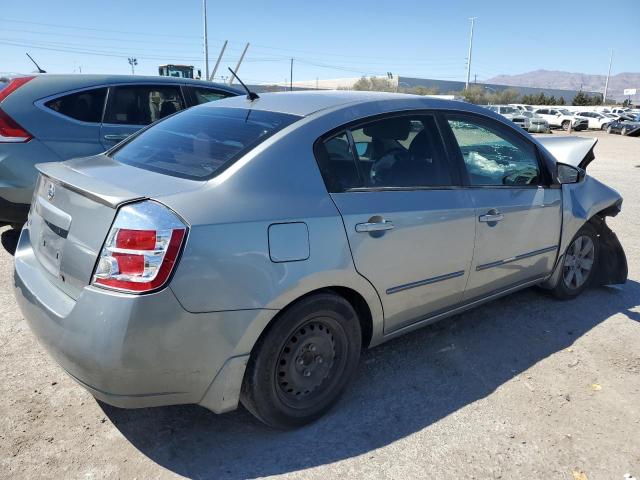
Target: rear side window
393 152
204 95
142 104
85 106
200 142
493 155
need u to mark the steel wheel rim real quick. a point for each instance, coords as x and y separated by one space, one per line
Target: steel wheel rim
578 262
309 361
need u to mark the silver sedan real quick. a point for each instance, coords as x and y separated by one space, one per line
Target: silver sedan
246 250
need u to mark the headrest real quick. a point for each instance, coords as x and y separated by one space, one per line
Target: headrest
389 129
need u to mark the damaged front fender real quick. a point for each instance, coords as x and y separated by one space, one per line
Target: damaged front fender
591 201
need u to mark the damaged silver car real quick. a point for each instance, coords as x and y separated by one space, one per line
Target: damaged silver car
248 249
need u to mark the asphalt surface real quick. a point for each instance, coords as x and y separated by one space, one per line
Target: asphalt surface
524 387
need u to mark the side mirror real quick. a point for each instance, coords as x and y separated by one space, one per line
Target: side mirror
569 174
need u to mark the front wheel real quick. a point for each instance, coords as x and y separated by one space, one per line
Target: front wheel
623 132
300 366
609 129
565 125
579 264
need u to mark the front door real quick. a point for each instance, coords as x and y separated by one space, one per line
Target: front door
411 232
517 215
131 107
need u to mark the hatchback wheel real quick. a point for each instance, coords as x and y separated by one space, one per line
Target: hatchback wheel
300 366
578 264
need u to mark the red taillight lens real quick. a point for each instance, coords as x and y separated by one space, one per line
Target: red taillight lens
136 239
10 131
13 85
140 259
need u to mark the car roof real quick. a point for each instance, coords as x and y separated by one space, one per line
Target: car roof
64 82
304 103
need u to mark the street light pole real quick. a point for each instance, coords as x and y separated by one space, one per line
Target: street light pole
606 83
473 19
206 41
291 77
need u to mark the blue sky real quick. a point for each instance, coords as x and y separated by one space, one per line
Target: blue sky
327 39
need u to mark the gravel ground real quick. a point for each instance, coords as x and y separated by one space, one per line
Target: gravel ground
525 387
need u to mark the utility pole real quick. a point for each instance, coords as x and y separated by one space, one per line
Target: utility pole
291 77
133 62
606 84
473 19
239 62
215 68
206 41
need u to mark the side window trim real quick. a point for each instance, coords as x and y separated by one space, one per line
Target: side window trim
110 96
41 103
545 181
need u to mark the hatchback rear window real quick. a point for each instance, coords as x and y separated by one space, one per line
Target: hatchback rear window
200 142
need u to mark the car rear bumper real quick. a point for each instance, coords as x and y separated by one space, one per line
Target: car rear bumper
538 128
137 351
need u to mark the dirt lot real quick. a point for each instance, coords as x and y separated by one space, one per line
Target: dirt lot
525 387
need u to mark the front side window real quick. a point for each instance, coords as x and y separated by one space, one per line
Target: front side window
200 142
393 152
204 95
493 155
85 106
142 104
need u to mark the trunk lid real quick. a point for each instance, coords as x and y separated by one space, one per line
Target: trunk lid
73 208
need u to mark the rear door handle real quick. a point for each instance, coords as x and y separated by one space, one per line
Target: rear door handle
116 137
491 216
374 226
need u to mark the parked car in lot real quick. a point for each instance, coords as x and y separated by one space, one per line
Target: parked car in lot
247 250
48 118
596 121
512 114
561 118
537 124
626 125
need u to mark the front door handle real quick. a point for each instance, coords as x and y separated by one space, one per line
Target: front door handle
491 216
380 226
116 138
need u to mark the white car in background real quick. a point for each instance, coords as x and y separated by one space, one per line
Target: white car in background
512 113
596 120
537 124
562 118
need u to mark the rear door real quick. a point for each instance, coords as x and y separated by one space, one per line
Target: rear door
517 213
409 226
131 107
75 130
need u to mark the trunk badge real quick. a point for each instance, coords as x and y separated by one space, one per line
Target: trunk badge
51 192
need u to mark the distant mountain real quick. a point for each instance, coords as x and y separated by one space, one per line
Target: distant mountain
571 81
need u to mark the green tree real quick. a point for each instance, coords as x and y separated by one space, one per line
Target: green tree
580 99
475 94
561 101
374 84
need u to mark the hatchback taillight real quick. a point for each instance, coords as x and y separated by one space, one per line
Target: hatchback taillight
10 131
141 249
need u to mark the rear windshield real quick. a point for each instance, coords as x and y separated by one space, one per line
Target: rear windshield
200 142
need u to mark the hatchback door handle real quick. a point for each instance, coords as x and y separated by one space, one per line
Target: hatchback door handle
116 137
491 216
374 226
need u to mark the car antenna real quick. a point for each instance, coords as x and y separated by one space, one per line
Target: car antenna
250 95
37 66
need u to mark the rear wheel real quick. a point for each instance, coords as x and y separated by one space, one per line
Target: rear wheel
299 368
609 129
623 132
578 264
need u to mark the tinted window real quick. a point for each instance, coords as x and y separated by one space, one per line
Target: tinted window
543 111
337 164
493 155
201 141
142 105
85 106
401 152
204 95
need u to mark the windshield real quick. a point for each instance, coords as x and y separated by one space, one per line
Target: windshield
508 110
200 142
565 112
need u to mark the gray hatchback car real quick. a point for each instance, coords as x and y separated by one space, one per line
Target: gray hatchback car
247 250
49 118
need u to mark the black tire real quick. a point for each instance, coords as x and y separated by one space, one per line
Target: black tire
604 126
623 132
571 285
302 363
565 125
609 129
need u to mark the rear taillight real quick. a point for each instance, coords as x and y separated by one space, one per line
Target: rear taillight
13 85
10 131
141 249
